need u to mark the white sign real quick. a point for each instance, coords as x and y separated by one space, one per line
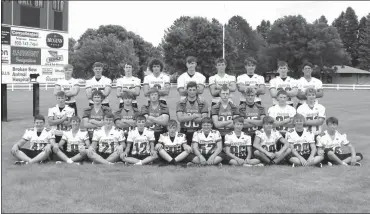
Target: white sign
54 57
5 54
25 37
18 73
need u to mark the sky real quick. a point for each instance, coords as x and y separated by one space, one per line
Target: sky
150 19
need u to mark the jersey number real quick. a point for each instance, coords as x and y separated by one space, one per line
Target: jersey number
74 147
207 147
270 148
303 149
239 151
106 146
254 128
38 146
310 127
143 146
281 118
189 124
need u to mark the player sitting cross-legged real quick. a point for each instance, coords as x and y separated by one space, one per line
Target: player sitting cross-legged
108 142
141 139
172 145
238 146
265 143
41 143
302 144
330 143
77 141
207 145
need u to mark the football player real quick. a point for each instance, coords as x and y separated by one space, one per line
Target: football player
330 143
141 142
313 112
172 145
108 142
156 113
223 113
190 112
59 116
265 143
238 146
207 145
302 144
70 86
77 141
250 79
128 83
220 79
283 82
100 83
41 142
252 112
308 81
157 79
93 116
124 118
190 76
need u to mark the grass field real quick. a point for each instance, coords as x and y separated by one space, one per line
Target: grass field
96 188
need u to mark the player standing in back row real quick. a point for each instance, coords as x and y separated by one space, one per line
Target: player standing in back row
283 82
70 86
100 83
307 81
217 81
157 79
190 75
250 79
128 83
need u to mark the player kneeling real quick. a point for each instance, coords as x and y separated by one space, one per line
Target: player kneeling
172 145
109 140
302 144
41 142
142 140
265 143
206 145
330 142
238 146
77 142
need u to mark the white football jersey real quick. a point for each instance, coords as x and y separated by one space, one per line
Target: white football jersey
318 111
176 145
281 114
57 114
218 80
303 84
158 82
301 143
207 145
74 143
326 141
108 143
184 78
268 143
67 85
238 145
286 85
129 83
140 142
99 85
256 80
38 142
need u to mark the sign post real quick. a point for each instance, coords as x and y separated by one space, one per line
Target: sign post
36 98
4 99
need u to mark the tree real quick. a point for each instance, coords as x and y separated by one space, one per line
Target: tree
197 37
71 44
264 28
340 23
322 19
351 33
364 44
109 50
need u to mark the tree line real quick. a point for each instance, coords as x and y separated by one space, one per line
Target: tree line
291 38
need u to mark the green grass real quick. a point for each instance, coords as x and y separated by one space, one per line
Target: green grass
96 188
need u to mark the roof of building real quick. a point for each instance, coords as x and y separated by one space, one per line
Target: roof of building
349 70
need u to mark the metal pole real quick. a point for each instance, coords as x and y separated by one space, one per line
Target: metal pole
4 103
36 99
223 41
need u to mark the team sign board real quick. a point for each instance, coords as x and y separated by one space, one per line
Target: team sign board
26 51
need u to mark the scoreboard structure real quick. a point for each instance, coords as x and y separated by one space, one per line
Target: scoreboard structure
34 45
34 40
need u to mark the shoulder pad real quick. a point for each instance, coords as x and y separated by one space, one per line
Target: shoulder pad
230 133
232 104
105 108
214 131
31 129
290 130
163 105
199 131
322 134
89 108
258 105
180 134
165 134
47 129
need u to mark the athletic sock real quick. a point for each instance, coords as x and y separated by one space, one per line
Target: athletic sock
69 160
139 163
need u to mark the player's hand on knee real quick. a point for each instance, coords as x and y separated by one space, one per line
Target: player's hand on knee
240 161
158 147
271 155
90 151
47 148
353 161
303 161
202 160
15 150
187 148
153 153
310 161
320 152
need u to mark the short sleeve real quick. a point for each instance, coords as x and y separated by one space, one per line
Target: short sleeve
212 80
180 82
117 115
64 136
344 140
273 83
261 80
215 110
167 79
161 140
119 83
289 138
195 138
278 136
202 79
130 136
248 141
87 113
292 112
259 134
180 107
270 111
322 112
318 84
165 110
204 108
51 135
108 82
88 84
146 80
121 136
183 139
151 137
232 79
311 138
239 79
76 82
85 136
50 112
71 112
261 110
96 136
138 82
228 140
294 83
27 135
145 110
218 136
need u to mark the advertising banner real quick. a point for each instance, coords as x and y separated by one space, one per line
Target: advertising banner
5 35
25 56
18 73
25 37
54 57
5 54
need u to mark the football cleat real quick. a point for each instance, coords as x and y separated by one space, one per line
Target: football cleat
319 165
293 165
357 164
330 164
20 162
58 162
260 164
219 165
189 164
247 165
